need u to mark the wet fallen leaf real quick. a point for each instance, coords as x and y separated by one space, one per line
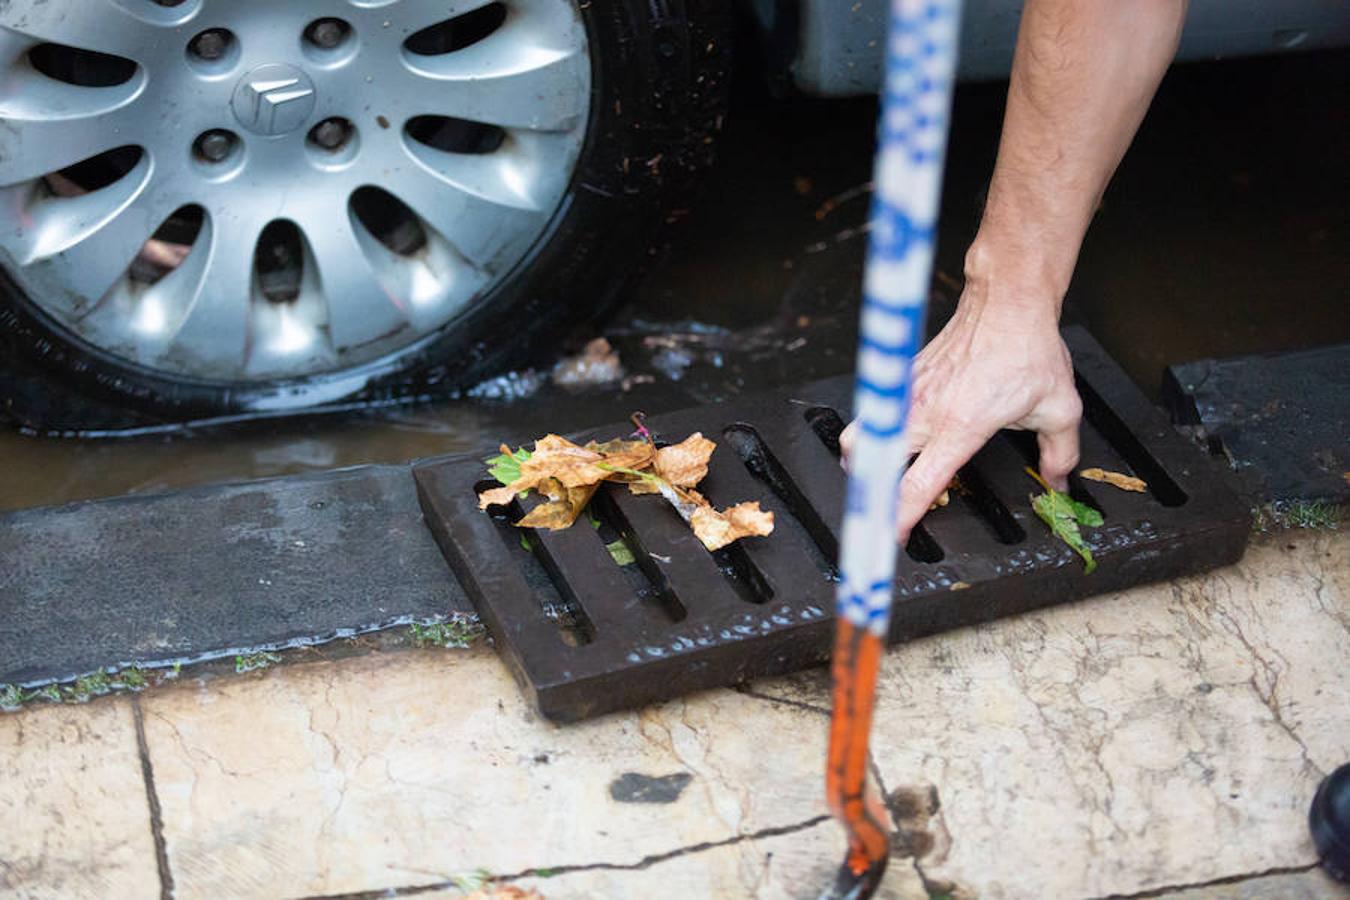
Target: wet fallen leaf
714 529
557 457
505 467
685 464
498 496
566 475
1116 479
597 363
563 506
621 553
1064 514
626 453
717 529
571 466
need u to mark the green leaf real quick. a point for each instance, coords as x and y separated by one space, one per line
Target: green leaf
595 520
525 544
621 553
1064 514
505 467
1084 514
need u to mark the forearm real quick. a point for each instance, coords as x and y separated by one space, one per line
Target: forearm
1083 75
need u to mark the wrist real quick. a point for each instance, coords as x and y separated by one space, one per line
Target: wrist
1008 278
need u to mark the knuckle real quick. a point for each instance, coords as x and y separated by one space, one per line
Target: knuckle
848 436
919 480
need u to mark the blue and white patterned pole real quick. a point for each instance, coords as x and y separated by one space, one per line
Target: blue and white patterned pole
916 106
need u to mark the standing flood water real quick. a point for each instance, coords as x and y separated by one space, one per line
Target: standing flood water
1225 232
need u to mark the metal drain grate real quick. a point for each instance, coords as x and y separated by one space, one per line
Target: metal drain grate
585 636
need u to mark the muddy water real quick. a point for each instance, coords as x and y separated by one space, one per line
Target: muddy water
1225 232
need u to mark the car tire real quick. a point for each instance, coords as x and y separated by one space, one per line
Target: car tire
658 91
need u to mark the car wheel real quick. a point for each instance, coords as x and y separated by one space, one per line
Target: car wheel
222 206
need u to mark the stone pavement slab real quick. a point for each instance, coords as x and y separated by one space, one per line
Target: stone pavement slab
76 823
1161 736
406 768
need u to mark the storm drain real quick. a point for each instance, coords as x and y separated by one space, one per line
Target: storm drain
585 636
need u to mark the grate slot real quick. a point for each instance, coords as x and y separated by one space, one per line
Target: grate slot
745 577
557 598
702 582
1119 435
988 506
613 526
789 558
808 463
827 425
1025 442
602 588
761 463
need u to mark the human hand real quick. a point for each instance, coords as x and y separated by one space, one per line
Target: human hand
995 365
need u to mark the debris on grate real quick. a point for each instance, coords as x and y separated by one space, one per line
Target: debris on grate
585 636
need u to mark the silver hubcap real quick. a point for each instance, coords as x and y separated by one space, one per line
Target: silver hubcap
251 189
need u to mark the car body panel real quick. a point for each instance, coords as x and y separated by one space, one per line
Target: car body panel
839 43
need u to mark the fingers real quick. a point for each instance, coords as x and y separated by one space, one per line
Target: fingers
932 472
1058 443
1059 454
847 437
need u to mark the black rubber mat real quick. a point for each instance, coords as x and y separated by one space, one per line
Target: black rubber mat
585 636
213 571
1281 420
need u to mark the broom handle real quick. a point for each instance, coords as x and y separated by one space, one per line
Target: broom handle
916 105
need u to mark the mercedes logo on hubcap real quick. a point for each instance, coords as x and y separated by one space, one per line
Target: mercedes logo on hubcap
273 99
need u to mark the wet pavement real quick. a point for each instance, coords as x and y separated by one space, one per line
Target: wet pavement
1226 232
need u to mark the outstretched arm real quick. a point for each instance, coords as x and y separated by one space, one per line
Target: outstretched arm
1083 76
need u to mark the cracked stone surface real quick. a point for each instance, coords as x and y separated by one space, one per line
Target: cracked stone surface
779 867
1313 885
72 800
406 768
1162 736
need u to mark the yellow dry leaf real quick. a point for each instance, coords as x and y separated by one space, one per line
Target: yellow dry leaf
642 487
717 529
497 496
943 499
563 507
1116 479
557 457
685 464
636 455
574 466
